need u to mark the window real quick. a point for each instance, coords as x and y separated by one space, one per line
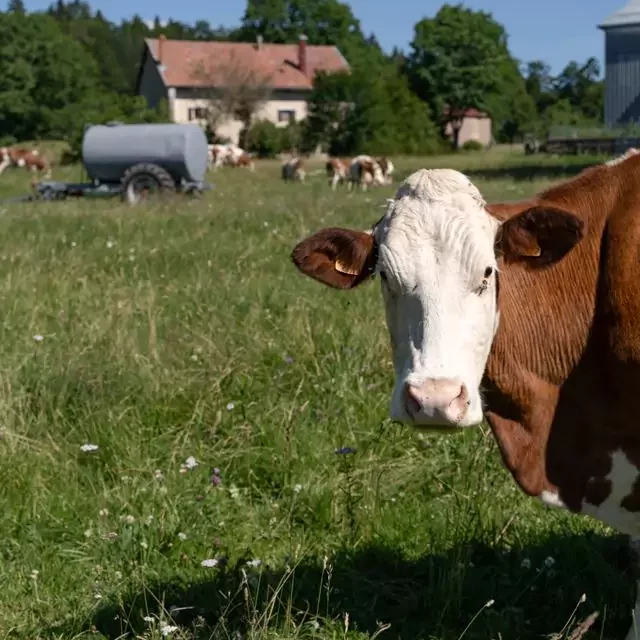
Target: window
198 113
286 115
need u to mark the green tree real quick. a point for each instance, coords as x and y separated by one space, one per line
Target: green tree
16 6
42 71
455 62
327 22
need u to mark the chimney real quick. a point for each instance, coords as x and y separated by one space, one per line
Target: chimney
302 54
259 42
161 40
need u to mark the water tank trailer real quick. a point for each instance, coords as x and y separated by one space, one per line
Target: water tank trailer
137 160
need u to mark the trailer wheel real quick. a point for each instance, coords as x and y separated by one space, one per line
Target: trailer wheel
143 180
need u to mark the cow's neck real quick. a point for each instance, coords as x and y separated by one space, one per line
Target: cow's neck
539 351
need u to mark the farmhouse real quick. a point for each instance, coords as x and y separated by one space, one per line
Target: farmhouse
476 125
622 65
186 74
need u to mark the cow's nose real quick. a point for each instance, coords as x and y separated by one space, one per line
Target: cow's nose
437 400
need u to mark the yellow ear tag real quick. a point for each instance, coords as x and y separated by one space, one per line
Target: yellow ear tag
534 253
343 268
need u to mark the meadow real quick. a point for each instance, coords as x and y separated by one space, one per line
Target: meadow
244 480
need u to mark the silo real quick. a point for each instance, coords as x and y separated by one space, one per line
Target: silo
622 65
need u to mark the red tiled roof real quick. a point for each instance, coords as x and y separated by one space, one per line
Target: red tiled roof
276 62
471 112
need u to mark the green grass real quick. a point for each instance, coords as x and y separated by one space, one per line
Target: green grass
182 329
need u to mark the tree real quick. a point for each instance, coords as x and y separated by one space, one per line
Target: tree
455 62
231 89
324 22
356 112
16 6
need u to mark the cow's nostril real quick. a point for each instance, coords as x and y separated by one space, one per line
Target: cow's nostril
412 400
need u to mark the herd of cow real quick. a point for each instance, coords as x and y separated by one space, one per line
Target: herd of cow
362 171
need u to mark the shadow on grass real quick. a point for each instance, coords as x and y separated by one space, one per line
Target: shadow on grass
529 171
435 596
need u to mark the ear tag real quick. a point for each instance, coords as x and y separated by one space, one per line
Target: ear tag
343 268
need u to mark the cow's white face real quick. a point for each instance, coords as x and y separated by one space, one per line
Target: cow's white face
437 265
435 252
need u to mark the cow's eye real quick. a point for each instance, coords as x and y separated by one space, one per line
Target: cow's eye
383 276
487 272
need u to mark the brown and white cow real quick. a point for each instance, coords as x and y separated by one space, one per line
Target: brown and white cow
293 170
537 303
365 171
337 171
23 158
387 168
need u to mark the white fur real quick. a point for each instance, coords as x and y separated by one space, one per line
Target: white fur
552 500
357 177
622 476
435 242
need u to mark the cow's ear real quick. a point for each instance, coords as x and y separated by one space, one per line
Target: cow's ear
539 236
339 258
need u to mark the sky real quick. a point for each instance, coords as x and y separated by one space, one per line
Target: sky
555 31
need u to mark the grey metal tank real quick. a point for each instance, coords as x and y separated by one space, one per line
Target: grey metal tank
108 150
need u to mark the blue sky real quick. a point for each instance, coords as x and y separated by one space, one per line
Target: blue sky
552 30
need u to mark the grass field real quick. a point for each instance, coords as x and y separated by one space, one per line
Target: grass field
182 329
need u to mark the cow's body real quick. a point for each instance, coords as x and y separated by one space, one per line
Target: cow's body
364 171
23 158
337 171
387 168
292 170
553 338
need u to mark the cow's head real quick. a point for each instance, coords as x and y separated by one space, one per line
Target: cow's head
436 251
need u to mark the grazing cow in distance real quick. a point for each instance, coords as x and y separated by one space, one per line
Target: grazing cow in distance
23 158
537 303
293 170
337 171
244 160
387 168
365 171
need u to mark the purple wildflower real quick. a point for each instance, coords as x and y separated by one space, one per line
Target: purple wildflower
344 451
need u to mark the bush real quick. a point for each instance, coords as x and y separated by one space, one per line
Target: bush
472 145
267 140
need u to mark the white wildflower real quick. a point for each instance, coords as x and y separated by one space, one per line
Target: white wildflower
104 512
110 244
230 406
526 563
144 545
118 575
150 519
297 488
182 536
129 519
73 244
549 562
210 562
88 448
34 574
98 596
38 337
190 463
167 629
88 533
490 603
157 474
234 491
254 563
148 619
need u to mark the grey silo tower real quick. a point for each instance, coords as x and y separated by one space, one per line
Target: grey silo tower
622 65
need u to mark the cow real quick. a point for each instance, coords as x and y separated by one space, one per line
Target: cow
537 303
365 171
293 170
387 168
337 171
20 157
243 160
